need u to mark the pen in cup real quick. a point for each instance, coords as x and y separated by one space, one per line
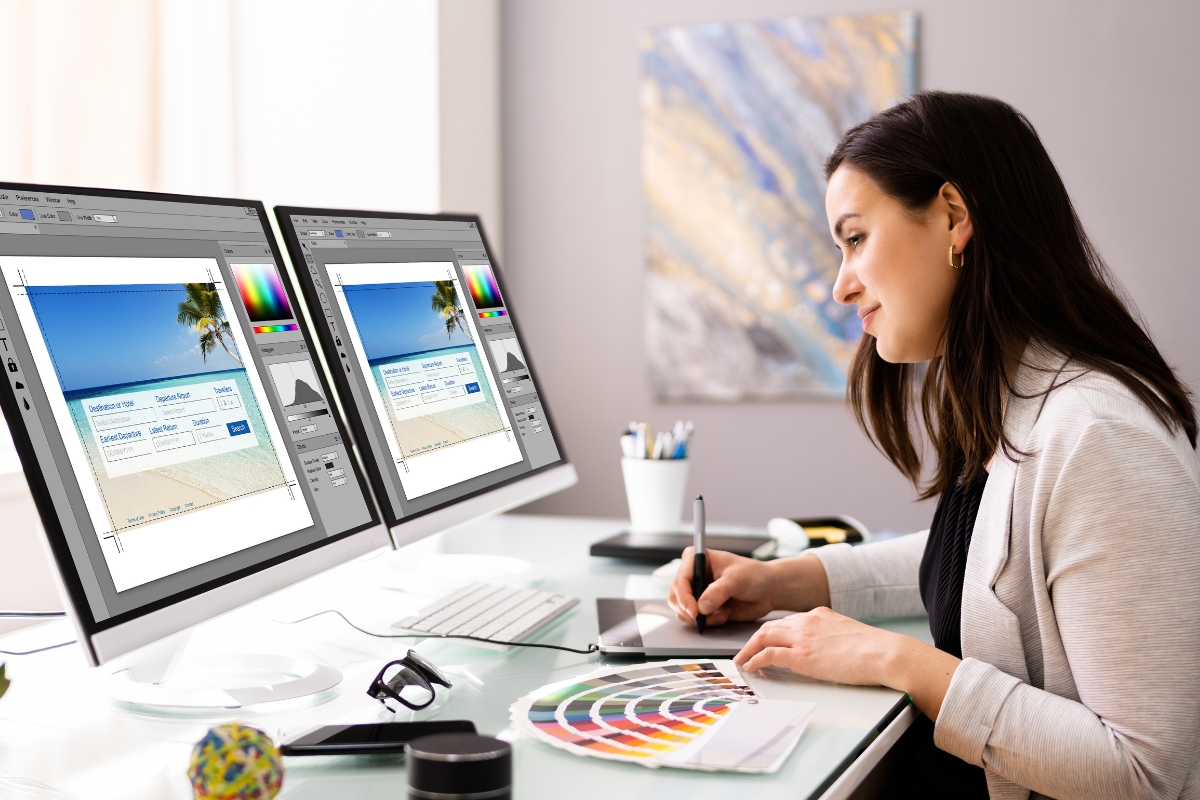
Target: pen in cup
640 441
699 558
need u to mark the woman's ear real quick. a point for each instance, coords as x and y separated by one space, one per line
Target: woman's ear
958 217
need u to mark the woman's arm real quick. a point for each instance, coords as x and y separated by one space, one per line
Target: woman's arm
868 581
877 580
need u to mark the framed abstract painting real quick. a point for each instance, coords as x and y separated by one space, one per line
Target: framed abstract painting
737 121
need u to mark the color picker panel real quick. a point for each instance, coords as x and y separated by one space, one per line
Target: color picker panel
482 285
291 326
262 292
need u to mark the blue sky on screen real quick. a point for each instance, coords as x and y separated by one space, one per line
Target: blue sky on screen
109 335
394 319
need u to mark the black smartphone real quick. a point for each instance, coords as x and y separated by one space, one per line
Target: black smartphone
374 739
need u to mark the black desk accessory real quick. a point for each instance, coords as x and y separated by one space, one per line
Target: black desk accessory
377 739
459 766
660 548
818 531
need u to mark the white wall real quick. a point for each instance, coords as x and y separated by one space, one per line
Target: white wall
379 104
337 105
75 97
469 111
1109 85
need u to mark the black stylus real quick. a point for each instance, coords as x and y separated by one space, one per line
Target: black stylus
700 558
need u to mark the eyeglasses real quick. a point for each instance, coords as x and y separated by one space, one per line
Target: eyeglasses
408 680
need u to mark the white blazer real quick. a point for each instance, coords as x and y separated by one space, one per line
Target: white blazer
1081 602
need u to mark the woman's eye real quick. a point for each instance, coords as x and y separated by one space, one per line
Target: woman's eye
853 240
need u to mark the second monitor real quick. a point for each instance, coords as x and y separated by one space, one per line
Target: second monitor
417 329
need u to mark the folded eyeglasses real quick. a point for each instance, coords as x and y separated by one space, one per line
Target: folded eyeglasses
409 681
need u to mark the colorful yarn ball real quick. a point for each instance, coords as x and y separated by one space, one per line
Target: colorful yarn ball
235 762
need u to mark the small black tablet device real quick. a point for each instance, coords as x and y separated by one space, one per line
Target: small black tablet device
375 739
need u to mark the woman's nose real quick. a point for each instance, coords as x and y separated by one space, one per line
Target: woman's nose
847 289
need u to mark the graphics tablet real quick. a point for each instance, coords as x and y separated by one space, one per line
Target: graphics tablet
650 628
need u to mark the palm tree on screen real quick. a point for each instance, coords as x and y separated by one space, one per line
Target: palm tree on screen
445 302
202 310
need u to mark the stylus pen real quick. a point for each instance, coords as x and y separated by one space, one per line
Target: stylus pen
699 558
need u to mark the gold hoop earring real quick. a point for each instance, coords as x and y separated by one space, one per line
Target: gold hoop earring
959 265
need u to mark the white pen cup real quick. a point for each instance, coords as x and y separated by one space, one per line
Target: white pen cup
655 489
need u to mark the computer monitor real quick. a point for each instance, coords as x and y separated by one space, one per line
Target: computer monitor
418 327
178 436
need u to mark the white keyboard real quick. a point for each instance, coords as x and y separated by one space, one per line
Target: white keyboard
489 612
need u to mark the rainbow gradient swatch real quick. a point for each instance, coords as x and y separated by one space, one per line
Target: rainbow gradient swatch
498 313
482 285
276 328
262 292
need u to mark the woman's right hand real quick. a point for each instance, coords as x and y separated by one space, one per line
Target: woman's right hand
742 589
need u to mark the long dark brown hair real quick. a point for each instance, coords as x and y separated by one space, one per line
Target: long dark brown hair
1030 275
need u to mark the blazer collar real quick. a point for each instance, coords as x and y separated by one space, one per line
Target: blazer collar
998 641
1040 369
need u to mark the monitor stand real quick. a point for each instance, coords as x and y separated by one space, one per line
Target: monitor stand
157 682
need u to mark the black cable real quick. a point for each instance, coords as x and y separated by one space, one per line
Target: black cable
39 650
591 648
33 615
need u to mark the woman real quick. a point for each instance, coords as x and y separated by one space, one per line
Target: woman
1061 573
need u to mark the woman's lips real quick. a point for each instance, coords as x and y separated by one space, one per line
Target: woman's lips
866 315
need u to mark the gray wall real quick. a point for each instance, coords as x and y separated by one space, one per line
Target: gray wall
1110 86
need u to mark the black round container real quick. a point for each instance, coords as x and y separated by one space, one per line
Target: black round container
459 766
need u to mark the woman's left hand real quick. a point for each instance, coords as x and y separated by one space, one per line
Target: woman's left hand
825 645
820 644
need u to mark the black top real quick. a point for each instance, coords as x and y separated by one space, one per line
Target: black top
945 562
923 771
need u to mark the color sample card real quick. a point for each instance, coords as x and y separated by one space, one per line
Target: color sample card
481 283
692 715
262 292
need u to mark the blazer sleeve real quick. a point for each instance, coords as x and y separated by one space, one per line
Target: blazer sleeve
877 580
1121 547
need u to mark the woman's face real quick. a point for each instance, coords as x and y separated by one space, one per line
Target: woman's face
895 264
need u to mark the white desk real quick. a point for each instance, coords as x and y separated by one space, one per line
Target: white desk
56 726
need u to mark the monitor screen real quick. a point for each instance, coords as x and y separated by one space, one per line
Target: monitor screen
160 383
416 323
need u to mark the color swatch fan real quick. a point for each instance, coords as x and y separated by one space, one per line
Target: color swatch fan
686 714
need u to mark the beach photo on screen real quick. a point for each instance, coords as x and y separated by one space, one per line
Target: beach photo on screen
425 363
159 396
